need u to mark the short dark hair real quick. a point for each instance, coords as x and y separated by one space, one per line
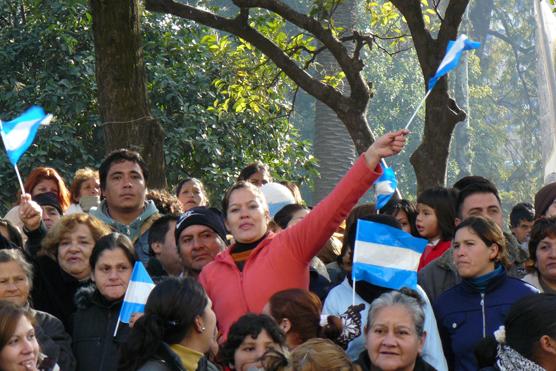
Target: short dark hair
120 155
251 169
394 206
158 230
474 188
13 233
521 211
542 228
249 325
112 241
285 214
468 180
443 201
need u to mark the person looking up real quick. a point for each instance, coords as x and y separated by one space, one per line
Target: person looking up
123 182
191 193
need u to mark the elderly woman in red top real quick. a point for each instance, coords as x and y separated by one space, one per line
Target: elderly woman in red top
260 263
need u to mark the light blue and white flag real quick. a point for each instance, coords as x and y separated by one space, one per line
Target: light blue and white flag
386 256
385 186
452 57
18 134
138 290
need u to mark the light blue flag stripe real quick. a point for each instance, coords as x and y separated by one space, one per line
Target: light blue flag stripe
385 235
452 57
385 187
128 309
384 277
19 133
140 274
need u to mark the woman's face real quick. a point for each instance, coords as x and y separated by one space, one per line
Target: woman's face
74 251
246 217
472 257
21 353
191 195
392 340
546 259
44 186
112 273
260 178
90 187
14 284
250 351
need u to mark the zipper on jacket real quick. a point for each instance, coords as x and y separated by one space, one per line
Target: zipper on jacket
483 310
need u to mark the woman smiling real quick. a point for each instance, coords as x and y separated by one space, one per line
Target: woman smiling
242 278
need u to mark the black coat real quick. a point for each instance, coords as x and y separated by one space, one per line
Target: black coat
54 341
166 360
54 290
94 322
365 363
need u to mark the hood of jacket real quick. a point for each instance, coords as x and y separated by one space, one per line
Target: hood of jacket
133 230
88 296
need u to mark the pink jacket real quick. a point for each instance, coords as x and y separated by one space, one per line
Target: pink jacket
281 260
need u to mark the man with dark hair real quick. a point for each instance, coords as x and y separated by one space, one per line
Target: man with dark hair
123 177
478 197
200 236
522 217
162 243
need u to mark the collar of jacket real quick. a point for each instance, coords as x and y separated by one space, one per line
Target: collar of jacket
132 230
226 256
494 283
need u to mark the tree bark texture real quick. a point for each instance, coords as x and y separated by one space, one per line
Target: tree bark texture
122 94
333 146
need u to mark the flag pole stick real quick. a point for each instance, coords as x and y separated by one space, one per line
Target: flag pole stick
417 110
116 329
19 179
353 293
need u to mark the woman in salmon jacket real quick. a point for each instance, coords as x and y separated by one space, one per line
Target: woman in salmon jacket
260 263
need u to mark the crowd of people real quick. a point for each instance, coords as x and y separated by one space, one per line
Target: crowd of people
240 288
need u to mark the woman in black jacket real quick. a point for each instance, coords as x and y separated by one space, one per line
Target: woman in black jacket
98 306
176 331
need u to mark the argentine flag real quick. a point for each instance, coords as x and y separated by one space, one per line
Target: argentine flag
138 290
385 186
386 256
18 134
452 57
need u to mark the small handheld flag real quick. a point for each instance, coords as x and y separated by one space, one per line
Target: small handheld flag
449 62
138 290
18 135
385 186
386 256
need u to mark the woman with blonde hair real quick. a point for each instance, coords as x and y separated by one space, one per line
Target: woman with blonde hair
85 184
321 354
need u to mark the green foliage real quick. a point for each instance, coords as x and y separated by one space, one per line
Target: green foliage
48 59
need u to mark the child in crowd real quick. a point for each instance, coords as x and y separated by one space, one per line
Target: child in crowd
436 215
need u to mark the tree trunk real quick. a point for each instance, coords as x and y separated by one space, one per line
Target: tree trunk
122 93
333 146
430 159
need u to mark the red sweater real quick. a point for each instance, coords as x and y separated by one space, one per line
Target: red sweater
281 260
432 252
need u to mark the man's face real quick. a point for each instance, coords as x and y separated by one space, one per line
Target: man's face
167 253
482 204
125 188
198 245
522 230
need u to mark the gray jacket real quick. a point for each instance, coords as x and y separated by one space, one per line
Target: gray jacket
166 360
441 274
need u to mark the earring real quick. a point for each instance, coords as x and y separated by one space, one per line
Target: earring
203 329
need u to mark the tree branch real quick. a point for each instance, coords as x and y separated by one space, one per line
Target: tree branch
327 94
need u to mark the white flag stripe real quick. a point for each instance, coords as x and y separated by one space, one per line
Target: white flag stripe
138 292
18 135
456 47
386 256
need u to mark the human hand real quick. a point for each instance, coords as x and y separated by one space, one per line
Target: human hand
134 317
30 212
387 145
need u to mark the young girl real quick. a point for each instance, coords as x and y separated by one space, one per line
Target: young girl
435 221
